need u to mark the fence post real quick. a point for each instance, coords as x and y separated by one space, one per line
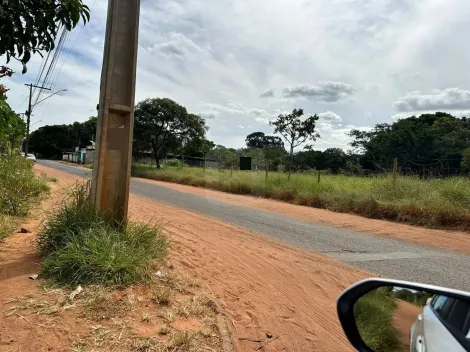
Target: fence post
318 176
395 170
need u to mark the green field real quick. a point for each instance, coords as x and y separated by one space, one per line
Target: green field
438 203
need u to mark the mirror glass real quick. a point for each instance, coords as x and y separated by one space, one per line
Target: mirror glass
392 318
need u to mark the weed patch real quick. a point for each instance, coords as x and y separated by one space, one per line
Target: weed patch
20 189
81 247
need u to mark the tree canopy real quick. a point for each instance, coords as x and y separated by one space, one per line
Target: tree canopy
31 26
12 128
430 143
50 141
162 125
295 130
259 140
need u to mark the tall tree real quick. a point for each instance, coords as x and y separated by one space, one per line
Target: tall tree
51 140
295 130
428 144
259 140
335 159
30 26
271 146
221 154
161 121
12 128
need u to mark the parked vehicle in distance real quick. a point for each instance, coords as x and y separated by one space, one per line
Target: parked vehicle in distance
443 323
31 157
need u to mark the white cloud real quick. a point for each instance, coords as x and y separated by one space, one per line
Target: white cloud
218 57
330 116
268 93
445 99
241 126
209 114
327 91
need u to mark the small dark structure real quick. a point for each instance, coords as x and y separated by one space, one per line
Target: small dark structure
245 163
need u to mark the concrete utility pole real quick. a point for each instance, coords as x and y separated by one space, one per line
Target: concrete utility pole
113 153
28 115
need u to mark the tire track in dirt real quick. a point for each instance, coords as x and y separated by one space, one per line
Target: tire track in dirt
264 285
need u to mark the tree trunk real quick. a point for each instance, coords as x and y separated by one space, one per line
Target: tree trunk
157 159
266 176
290 161
204 163
266 165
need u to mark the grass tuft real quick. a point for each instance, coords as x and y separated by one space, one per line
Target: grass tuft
81 247
197 306
162 296
182 340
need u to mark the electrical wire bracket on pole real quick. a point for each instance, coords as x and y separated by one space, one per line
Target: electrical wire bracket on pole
113 153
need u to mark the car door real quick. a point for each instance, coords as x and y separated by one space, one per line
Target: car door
439 330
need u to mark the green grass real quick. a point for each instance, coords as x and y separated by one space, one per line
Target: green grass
81 247
374 314
20 189
437 203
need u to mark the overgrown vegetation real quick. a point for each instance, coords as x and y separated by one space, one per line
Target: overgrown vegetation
19 189
81 247
438 203
374 314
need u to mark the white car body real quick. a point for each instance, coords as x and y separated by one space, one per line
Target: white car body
429 334
31 157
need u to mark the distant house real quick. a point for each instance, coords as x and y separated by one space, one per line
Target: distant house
80 155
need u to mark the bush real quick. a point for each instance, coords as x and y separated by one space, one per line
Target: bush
75 217
172 163
19 188
81 247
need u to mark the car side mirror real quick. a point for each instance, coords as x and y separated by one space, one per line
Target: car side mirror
392 315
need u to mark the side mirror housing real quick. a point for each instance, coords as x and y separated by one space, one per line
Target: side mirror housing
367 307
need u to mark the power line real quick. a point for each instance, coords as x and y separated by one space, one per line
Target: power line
65 57
52 65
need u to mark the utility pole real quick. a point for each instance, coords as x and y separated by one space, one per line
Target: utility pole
113 148
28 115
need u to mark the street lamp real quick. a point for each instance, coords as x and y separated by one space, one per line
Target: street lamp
28 113
40 101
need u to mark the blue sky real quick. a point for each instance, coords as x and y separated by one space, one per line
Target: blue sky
239 63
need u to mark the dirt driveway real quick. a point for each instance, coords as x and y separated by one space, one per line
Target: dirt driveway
265 286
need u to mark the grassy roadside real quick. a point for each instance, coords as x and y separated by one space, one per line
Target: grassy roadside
80 246
118 285
436 203
20 190
374 314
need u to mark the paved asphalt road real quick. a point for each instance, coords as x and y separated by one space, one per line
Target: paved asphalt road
386 257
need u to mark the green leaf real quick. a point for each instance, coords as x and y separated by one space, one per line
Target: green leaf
26 57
